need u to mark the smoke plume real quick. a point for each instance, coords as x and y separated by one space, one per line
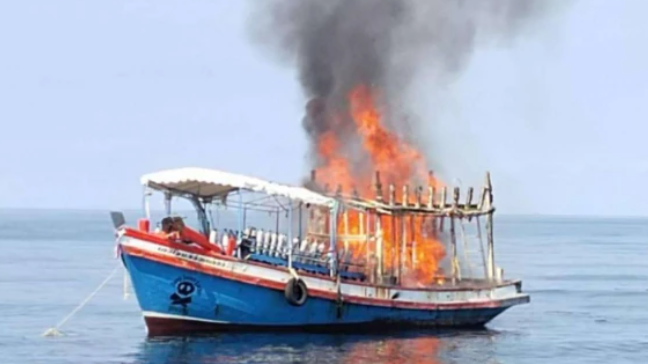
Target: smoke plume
382 44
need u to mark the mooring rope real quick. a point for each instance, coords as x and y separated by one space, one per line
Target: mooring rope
54 331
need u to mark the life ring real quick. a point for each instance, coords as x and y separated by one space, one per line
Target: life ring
296 292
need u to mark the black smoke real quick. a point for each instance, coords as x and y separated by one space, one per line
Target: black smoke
384 44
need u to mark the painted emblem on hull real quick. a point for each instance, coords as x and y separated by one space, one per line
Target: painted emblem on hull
185 289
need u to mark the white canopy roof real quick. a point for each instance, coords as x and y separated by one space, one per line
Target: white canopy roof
203 182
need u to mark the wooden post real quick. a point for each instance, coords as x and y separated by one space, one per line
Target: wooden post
431 198
379 233
379 248
403 248
482 200
488 203
419 194
345 216
413 240
395 250
431 178
313 178
453 243
361 226
453 236
463 231
403 239
367 245
379 195
325 217
311 222
361 231
392 202
442 206
469 197
481 246
405 201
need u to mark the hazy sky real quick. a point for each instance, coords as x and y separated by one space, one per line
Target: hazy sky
95 93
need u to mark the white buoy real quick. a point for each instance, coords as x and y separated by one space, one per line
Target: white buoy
304 244
213 237
273 244
224 240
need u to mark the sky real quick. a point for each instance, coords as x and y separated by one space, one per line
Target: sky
93 94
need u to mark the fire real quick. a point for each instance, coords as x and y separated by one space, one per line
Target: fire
399 163
337 167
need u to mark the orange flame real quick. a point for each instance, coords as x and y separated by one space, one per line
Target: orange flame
410 245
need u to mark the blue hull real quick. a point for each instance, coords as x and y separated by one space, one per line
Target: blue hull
180 301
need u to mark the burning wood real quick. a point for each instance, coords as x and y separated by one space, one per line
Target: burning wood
407 247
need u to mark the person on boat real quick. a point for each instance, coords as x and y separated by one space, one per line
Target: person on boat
174 229
166 228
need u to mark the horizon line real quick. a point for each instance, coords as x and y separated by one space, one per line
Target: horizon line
506 214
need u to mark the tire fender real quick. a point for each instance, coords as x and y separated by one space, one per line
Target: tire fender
296 292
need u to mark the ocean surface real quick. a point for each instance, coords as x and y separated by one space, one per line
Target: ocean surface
588 280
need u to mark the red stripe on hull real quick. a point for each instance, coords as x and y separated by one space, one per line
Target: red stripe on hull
168 326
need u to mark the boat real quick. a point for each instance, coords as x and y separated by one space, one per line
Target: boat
298 265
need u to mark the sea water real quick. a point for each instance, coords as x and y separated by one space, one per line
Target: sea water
588 280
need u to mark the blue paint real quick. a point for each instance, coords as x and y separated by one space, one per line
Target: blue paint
163 288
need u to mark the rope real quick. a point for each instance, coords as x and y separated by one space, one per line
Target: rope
126 284
54 331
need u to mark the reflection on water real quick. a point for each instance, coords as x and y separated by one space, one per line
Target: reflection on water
413 347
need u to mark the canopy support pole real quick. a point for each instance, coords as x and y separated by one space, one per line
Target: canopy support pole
167 203
145 200
333 252
290 234
241 219
202 215
300 227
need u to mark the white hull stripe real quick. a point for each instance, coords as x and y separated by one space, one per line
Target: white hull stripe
153 314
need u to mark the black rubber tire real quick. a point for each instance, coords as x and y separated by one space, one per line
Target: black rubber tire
296 292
